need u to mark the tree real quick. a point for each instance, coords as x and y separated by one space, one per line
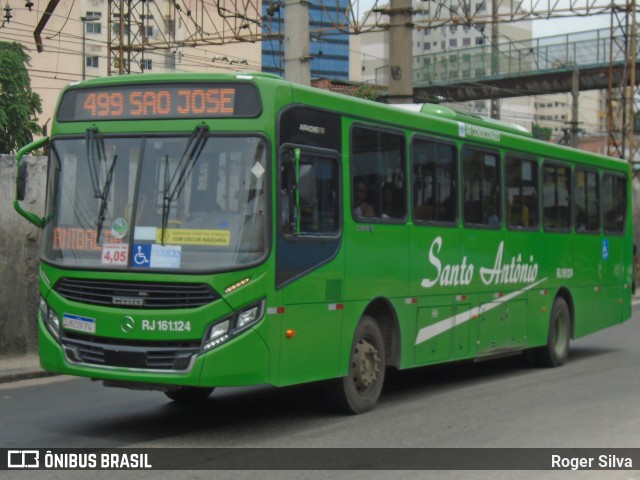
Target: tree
19 105
541 133
366 91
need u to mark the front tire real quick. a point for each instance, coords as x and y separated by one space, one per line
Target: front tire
359 391
189 394
556 351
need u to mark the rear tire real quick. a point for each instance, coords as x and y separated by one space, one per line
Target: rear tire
359 391
556 351
189 394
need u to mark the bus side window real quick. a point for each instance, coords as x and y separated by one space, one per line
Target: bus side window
556 196
309 194
586 200
614 203
521 192
481 182
434 173
378 175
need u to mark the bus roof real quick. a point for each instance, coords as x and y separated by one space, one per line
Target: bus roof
471 118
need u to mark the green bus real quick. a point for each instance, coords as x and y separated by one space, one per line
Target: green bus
206 230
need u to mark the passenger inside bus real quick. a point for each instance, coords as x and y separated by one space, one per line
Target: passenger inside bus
362 207
390 207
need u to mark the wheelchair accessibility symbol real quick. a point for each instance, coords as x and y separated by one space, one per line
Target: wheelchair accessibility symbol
141 256
605 248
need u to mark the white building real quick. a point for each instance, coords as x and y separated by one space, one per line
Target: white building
555 112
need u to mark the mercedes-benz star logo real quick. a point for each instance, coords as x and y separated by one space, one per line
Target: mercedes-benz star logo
127 324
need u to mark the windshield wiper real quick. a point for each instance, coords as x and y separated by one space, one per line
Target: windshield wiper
103 198
96 144
173 187
95 156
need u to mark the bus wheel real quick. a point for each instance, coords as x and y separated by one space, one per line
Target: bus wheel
359 391
556 351
189 394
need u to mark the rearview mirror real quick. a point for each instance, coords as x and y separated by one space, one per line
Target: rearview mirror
21 181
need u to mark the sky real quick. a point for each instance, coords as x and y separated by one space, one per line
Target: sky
560 26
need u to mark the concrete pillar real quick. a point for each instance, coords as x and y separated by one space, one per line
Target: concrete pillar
400 52
297 57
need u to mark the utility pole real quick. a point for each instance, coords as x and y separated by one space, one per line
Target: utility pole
621 94
632 82
575 95
400 51
297 58
495 55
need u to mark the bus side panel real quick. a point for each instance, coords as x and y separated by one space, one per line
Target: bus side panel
502 328
521 313
311 326
587 276
614 254
376 260
439 347
600 302
436 334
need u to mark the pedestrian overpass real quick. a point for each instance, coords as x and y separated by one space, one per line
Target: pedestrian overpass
519 68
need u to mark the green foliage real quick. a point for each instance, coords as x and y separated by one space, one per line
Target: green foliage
19 105
541 133
367 92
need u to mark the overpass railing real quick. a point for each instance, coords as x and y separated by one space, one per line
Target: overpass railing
513 58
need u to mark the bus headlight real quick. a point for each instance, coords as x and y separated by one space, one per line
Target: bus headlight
50 318
220 332
248 317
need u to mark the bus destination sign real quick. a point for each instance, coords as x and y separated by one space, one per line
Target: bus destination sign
160 101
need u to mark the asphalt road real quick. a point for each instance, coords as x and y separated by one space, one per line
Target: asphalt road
593 401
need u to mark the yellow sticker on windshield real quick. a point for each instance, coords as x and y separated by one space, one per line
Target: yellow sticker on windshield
179 236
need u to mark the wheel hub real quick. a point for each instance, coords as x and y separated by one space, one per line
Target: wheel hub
366 365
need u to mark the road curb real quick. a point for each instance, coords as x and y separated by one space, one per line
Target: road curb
17 376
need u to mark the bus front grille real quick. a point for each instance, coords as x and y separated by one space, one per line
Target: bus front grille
133 354
139 295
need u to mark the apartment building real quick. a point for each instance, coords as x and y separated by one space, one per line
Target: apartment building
555 112
75 43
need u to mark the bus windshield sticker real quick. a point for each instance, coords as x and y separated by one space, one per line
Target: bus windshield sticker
141 256
258 170
74 238
145 233
165 256
115 254
81 324
220 238
119 228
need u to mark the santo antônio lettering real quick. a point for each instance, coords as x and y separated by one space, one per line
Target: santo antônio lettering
502 272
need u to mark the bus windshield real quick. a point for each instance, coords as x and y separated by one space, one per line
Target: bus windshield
143 202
